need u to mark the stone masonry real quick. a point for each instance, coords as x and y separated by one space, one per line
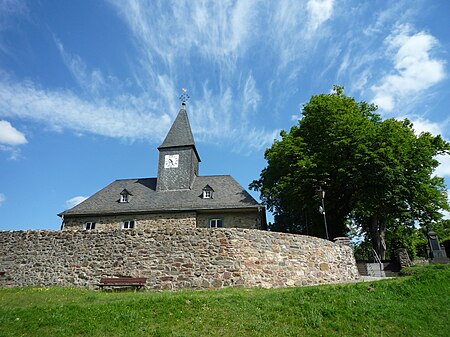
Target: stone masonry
196 258
240 219
143 221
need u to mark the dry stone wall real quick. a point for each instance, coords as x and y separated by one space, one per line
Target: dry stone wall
172 258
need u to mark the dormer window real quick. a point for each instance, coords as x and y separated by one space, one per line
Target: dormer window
124 196
208 192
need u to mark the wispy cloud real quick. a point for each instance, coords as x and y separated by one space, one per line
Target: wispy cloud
75 201
295 31
218 36
447 213
9 11
2 198
218 31
133 118
225 118
236 58
89 81
435 128
415 67
443 170
126 117
319 11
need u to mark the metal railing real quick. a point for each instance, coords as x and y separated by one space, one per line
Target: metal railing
378 260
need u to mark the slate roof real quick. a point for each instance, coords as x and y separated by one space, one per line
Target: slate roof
144 197
180 133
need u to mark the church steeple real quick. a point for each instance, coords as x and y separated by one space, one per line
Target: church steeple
178 156
180 133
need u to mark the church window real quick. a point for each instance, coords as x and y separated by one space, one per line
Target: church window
89 225
128 224
216 223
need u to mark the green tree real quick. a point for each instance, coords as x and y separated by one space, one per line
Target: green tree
400 187
378 173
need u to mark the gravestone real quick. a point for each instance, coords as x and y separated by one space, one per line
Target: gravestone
436 251
403 259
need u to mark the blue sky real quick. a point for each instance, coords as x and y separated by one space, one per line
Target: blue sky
88 89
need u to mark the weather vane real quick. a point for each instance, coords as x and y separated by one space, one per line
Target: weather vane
184 96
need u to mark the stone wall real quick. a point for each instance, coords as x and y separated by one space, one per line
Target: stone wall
231 219
143 221
172 258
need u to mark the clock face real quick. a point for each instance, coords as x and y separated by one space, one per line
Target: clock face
171 161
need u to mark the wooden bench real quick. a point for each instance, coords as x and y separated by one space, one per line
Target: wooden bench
137 282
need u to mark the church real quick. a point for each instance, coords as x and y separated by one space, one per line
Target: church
177 197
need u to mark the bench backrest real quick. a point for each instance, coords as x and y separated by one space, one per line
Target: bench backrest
123 280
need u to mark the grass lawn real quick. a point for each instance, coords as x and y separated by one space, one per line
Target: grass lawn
415 305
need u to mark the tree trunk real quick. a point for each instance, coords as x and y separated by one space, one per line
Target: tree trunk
378 234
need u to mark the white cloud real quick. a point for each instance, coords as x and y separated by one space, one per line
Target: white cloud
10 135
214 117
91 82
446 213
415 69
443 170
251 96
218 30
2 198
435 128
424 125
295 31
9 11
220 118
398 11
125 117
319 11
75 201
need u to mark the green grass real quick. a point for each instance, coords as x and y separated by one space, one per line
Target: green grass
414 305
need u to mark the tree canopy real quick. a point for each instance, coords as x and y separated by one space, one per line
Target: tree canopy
376 173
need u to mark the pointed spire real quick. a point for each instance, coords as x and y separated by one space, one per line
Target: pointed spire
180 134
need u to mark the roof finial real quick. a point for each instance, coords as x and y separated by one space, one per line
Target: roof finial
184 96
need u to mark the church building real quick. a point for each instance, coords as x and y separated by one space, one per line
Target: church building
177 197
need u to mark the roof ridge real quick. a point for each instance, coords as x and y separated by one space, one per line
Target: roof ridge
123 179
